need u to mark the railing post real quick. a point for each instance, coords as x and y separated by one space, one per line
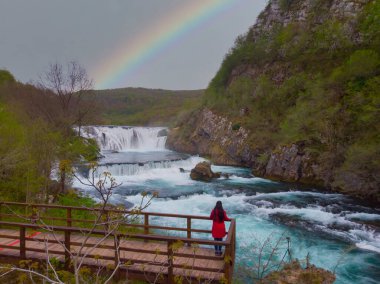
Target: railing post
170 262
227 264
67 249
68 217
22 243
33 216
146 224
189 230
233 246
107 220
116 243
1 212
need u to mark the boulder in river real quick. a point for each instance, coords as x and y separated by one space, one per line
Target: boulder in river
203 172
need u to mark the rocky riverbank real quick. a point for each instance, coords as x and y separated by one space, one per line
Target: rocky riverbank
215 137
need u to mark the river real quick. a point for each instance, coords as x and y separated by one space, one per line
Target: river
338 232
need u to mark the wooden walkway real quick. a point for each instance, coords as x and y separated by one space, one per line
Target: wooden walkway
147 256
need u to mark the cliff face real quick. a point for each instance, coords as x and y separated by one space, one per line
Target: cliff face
296 98
214 136
284 12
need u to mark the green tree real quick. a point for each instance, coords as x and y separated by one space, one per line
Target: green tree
6 77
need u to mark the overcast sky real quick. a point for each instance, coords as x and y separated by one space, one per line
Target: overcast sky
35 33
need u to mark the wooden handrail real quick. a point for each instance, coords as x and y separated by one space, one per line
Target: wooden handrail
70 221
124 235
149 234
106 209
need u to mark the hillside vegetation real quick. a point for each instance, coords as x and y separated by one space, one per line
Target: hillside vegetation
308 73
36 139
37 122
139 106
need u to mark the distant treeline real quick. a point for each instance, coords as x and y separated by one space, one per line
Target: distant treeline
139 106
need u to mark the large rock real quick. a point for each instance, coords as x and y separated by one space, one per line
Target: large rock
203 172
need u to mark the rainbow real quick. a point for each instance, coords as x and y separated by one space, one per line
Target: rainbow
149 43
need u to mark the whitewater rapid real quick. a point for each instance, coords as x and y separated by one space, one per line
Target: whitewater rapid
333 228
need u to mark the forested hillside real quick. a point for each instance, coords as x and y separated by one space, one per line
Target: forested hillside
139 106
297 98
36 139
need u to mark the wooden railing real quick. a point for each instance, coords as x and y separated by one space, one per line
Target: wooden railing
28 216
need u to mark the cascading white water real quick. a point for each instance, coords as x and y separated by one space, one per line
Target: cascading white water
119 170
123 138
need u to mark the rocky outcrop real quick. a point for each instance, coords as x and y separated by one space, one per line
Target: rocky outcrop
203 172
284 12
359 185
214 136
291 163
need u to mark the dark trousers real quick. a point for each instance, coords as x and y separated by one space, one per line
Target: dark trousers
218 248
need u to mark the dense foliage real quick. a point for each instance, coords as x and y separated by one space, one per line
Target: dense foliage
33 143
316 82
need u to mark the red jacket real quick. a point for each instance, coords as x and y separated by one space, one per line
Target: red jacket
218 226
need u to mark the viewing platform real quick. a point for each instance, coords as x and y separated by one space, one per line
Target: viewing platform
130 242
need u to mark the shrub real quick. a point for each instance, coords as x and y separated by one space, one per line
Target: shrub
285 4
361 64
6 76
236 127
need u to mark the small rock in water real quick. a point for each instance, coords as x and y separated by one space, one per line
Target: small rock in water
182 170
226 175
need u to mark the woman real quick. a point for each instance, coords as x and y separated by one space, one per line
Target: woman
218 216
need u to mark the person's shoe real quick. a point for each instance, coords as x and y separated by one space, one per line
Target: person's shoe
216 253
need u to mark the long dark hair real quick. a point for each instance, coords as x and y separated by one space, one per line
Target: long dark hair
219 208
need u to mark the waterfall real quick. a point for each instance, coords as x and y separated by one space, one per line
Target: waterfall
148 167
124 138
